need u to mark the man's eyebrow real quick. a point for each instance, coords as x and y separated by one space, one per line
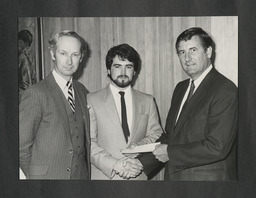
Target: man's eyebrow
179 50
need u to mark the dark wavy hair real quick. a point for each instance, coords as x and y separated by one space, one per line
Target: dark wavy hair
123 51
205 38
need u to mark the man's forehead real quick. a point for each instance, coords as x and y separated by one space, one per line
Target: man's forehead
67 42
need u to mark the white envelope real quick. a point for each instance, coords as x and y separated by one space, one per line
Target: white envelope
141 149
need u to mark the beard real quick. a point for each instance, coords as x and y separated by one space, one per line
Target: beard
122 81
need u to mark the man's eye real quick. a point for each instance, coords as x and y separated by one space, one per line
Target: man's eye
181 53
193 49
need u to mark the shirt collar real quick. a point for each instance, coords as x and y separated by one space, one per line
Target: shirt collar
198 81
60 80
115 89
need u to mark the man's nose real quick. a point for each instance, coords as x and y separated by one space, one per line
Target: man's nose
123 70
69 60
187 56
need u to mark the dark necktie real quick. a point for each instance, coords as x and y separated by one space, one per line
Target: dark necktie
124 117
190 94
71 100
192 87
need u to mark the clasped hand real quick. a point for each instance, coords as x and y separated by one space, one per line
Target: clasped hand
128 168
160 153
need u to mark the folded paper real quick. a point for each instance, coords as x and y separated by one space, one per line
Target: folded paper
141 149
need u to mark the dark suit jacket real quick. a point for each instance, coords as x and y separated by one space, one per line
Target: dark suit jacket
202 145
45 137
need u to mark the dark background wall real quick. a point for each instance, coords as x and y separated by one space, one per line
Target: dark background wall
10 186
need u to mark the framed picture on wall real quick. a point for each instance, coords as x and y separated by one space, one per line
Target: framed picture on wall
29 52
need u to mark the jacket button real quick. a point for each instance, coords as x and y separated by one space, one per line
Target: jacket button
71 151
68 169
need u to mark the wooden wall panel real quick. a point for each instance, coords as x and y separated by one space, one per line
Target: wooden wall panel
225 34
154 38
106 42
91 70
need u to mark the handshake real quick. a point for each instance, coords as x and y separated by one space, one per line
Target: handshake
128 168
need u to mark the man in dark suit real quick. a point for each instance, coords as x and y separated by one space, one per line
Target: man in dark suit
201 127
54 119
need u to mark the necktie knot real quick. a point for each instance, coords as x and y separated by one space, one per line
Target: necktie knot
122 93
69 85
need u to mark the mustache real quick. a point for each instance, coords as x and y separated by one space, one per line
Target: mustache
122 76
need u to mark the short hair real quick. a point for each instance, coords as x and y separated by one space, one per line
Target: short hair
54 40
123 51
205 38
25 36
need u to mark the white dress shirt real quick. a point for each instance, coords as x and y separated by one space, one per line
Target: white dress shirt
62 84
197 82
128 103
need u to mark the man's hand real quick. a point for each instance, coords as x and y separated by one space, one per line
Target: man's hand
161 153
128 168
132 155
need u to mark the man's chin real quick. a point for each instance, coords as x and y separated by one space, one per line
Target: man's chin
122 84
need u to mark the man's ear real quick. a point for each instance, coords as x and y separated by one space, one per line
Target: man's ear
209 52
108 72
134 73
52 55
81 58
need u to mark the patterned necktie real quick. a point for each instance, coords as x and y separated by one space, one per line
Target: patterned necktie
124 117
71 100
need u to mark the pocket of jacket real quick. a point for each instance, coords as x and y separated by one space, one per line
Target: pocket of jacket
38 169
209 174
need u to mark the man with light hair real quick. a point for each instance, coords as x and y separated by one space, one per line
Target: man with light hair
54 118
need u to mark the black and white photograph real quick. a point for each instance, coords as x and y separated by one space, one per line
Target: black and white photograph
139 98
81 133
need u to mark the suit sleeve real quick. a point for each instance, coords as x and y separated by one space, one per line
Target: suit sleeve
29 120
219 134
154 129
100 158
155 134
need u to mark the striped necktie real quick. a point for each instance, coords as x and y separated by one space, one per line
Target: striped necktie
71 100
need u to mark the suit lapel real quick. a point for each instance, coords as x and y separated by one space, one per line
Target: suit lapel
111 110
194 103
137 109
79 95
178 95
57 95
